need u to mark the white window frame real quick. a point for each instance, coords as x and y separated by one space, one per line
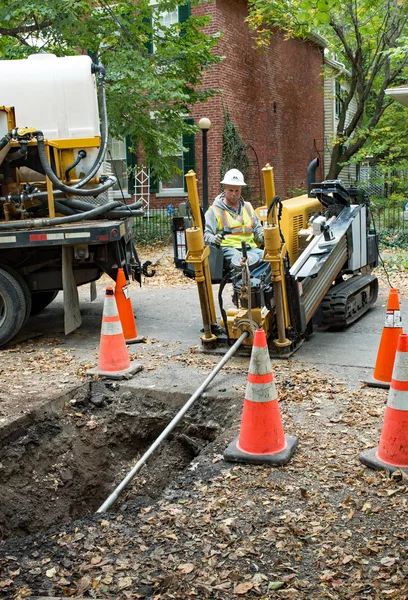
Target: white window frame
161 18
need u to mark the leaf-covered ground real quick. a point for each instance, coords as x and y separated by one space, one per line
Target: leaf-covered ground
322 527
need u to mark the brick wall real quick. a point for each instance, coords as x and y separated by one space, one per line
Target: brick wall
275 99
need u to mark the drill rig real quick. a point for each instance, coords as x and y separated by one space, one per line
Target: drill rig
321 252
60 226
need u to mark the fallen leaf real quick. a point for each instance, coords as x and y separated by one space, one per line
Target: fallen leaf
243 588
186 568
275 585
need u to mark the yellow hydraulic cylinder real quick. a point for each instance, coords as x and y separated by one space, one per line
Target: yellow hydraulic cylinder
274 252
198 254
269 184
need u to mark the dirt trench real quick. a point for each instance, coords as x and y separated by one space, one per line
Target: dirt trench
64 464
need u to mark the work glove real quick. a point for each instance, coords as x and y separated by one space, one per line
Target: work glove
218 239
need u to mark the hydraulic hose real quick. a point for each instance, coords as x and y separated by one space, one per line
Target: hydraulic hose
223 283
5 140
83 205
67 189
38 223
104 127
81 154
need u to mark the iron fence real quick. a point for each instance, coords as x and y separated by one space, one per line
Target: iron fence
156 225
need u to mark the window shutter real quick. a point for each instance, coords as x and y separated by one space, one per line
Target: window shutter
184 12
149 43
189 154
131 165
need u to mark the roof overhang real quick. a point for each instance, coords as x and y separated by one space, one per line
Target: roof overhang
399 94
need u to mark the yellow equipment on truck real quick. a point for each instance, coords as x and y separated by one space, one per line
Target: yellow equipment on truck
59 224
321 252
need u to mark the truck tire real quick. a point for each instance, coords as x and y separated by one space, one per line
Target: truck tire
24 287
39 300
13 307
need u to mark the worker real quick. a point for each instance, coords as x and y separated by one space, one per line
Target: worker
230 220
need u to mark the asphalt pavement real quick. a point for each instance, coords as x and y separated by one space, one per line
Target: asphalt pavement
172 316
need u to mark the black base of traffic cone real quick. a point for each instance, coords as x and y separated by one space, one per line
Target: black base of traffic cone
372 382
277 459
117 375
369 459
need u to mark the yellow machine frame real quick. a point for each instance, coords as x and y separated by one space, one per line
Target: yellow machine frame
63 151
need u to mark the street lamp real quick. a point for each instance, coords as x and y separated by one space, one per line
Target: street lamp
205 124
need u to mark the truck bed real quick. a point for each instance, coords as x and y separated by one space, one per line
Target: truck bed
90 232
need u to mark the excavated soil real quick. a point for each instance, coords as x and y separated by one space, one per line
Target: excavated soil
66 463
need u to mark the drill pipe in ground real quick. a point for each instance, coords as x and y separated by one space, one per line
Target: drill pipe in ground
115 494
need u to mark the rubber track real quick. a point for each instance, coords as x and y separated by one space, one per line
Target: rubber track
336 302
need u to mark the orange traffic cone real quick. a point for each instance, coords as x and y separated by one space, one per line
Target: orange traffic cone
388 344
261 439
392 451
114 362
125 309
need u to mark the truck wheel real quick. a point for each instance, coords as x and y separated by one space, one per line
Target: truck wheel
24 287
39 300
13 307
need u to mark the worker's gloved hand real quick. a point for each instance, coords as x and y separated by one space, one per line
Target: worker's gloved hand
218 239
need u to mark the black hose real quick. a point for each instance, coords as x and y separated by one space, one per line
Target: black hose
38 223
59 207
5 140
61 186
19 153
116 213
104 127
83 205
223 283
81 154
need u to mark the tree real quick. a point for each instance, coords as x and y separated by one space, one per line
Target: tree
149 94
364 35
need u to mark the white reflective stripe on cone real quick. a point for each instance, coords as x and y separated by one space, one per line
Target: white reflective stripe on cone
111 327
260 363
400 371
398 399
110 309
265 392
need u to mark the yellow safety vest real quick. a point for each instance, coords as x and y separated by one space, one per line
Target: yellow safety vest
241 226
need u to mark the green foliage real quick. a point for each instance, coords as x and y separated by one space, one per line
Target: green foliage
394 239
369 37
234 152
140 84
294 192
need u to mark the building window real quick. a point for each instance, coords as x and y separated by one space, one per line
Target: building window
176 184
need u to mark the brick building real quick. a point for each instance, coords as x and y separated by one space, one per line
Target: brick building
274 99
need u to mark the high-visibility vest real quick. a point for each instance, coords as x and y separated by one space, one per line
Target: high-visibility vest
241 226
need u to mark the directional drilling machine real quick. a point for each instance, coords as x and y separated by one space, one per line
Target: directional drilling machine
321 252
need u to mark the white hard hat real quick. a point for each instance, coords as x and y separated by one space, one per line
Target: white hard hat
233 177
